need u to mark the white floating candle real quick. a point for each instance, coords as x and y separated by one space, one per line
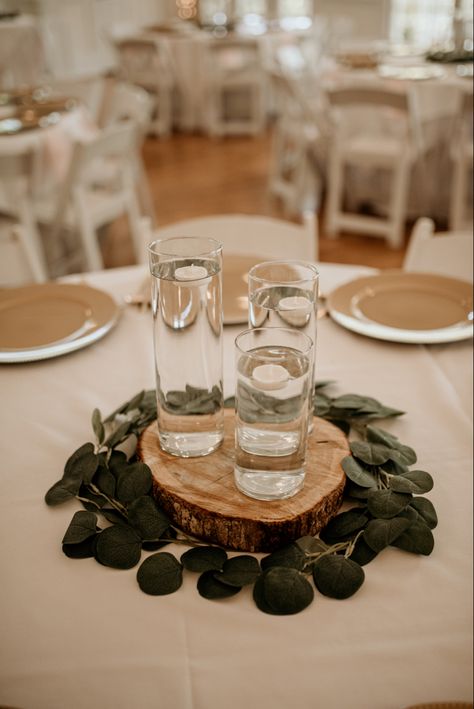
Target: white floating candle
296 309
192 275
270 376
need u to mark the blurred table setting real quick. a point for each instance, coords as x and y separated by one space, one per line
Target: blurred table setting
408 604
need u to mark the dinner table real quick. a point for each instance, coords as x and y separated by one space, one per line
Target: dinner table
79 635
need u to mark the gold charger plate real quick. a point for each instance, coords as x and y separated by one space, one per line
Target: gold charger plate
235 300
51 319
419 308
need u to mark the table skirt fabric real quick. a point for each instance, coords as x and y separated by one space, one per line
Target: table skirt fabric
79 635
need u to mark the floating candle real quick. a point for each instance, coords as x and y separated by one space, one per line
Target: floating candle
193 275
270 376
295 309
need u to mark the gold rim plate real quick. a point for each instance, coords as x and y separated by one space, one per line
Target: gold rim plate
51 319
418 308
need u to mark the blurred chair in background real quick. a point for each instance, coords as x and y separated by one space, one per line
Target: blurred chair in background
22 257
100 187
296 168
462 156
445 253
235 91
145 61
126 102
88 90
252 235
353 144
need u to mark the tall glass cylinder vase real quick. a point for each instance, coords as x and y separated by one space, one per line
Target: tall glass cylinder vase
187 327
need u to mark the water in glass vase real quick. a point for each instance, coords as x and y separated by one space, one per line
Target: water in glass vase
273 387
187 317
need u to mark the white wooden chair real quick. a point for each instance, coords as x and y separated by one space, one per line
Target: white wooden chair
297 147
462 156
357 147
145 61
89 90
93 197
127 102
446 253
22 257
235 87
248 235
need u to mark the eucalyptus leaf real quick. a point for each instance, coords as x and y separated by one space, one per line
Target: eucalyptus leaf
105 481
387 503
415 481
204 559
380 533
82 526
57 494
357 473
352 490
322 404
118 434
168 536
362 554
114 516
209 586
352 401
344 525
240 571
118 547
290 556
321 384
98 426
160 574
379 435
417 539
337 577
147 519
83 550
134 481
284 591
117 462
229 402
370 453
74 457
426 510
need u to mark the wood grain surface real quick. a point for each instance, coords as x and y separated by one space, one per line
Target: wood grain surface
200 496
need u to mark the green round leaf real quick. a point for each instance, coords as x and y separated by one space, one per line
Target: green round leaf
82 526
284 591
290 556
210 587
147 519
386 503
426 510
310 545
417 539
134 481
358 474
370 453
379 435
160 574
57 494
344 525
415 481
337 577
204 559
119 547
362 554
379 533
240 571
83 550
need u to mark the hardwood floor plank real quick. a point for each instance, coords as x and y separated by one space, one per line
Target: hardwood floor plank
193 175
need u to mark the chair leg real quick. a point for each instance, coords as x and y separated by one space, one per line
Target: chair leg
397 209
136 226
88 235
458 194
334 195
30 241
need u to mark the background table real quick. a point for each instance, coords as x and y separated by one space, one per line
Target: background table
82 636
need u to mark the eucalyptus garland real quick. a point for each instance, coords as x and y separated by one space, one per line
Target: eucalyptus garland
387 508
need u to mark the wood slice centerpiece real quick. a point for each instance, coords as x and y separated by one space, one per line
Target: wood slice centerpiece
200 497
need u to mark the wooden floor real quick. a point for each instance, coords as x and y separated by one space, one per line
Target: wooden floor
193 175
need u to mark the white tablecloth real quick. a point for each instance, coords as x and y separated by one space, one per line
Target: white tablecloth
77 635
